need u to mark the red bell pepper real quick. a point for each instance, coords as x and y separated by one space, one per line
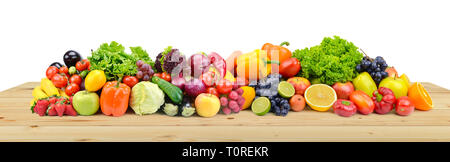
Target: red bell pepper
384 100
404 106
344 107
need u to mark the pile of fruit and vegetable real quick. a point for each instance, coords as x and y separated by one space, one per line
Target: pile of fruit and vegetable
334 74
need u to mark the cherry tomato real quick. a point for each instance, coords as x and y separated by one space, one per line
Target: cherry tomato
209 78
166 76
64 70
158 75
51 71
72 89
75 79
130 81
224 86
404 106
59 80
363 102
213 91
82 65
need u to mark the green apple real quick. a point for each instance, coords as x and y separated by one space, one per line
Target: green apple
86 103
397 85
365 83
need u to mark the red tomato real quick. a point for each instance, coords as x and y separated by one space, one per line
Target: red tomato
130 81
213 91
64 70
82 65
59 81
209 78
363 102
404 106
166 76
289 67
72 89
51 71
75 78
224 86
158 75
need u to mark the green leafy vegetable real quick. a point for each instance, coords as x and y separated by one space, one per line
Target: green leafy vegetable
115 62
334 60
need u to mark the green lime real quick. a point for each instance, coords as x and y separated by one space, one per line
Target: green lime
286 89
261 106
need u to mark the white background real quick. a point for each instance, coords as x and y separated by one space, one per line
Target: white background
413 36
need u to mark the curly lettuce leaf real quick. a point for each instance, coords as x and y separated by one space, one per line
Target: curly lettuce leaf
334 60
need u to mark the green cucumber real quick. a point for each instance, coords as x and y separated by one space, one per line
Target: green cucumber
175 94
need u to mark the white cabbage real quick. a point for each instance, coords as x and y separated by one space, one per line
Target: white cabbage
146 98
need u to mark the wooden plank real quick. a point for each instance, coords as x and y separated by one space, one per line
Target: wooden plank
224 134
18 124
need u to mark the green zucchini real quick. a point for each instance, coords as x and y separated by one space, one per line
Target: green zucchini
175 94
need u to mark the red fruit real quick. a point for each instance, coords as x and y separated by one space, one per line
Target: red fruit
51 71
241 101
344 107
392 72
343 90
233 95
75 79
240 91
212 90
52 100
234 106
226 110
300 84
297 103
52 110
71 99
404 106
60 108
224 86
223 101
41 110
59 80
64 70
70 111
44 103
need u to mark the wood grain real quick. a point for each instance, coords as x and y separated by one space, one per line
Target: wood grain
18 124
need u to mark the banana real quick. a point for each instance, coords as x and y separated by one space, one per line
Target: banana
38 93
48 87
33 101
62 93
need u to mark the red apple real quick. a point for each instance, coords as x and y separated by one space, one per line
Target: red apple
300 84
391 72
343 90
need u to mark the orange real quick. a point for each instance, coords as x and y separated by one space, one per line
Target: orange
320 97
420 97
249 94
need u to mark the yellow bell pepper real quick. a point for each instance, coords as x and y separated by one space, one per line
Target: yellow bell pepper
253 65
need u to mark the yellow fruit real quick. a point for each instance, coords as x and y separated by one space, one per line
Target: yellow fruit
320 97
38 93
405 79
33 101
249 94
62 93
48 87
229 77
95 80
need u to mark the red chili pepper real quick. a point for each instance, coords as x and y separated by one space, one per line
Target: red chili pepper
384 100
344 107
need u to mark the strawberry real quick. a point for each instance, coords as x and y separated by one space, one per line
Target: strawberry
52 100
52 111
71 99
70 111
44 103
41 110
60 108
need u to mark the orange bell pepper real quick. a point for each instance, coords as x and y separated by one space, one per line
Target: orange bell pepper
277 53
114 98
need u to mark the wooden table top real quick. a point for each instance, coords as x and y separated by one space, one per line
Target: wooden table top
17 123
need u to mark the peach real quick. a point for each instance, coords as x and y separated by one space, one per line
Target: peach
207 105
